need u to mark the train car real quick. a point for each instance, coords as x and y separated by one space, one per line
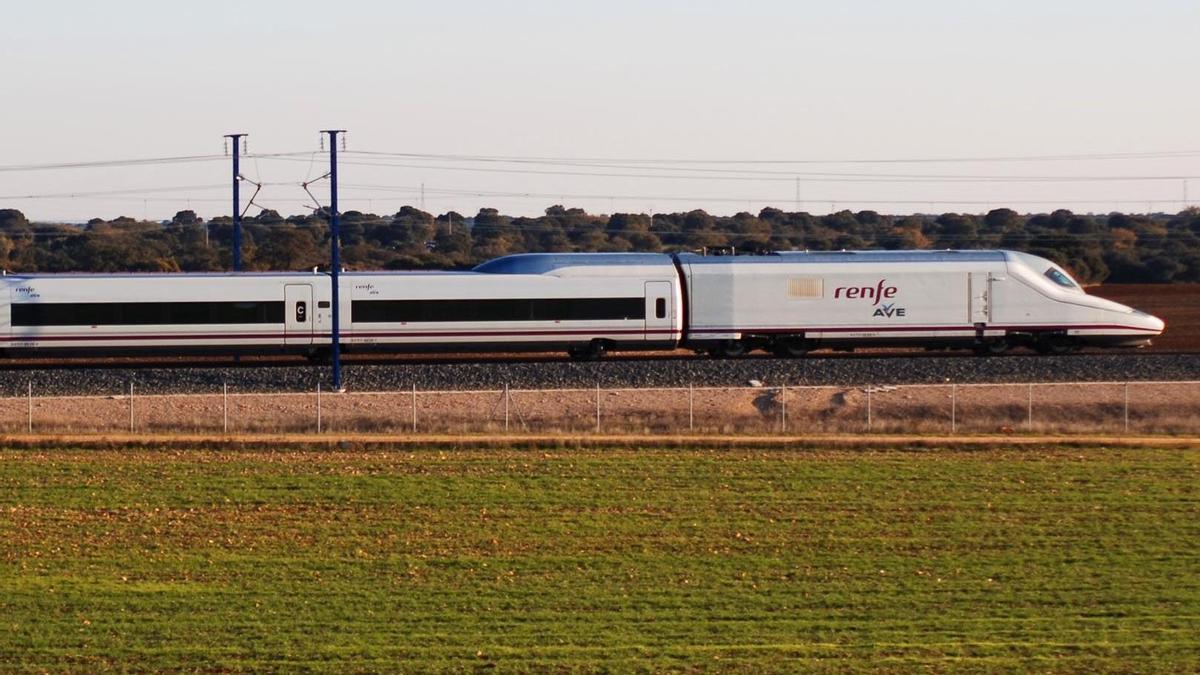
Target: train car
88 314
584 303
989 301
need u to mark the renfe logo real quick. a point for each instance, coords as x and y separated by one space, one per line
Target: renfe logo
877 292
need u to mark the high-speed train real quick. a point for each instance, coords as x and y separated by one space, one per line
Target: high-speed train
788 303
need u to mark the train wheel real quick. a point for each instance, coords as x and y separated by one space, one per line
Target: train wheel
1056 344
731 349
791 349
994 347
591 351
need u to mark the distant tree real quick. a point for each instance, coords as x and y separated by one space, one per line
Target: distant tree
957 230
12 218
289 248
268 217
187 217
493 235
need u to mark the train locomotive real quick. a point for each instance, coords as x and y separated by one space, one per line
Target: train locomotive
787 303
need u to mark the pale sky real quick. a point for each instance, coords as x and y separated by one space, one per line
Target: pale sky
768 80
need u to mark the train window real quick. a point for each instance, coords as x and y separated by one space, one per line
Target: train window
301 312
322 304
516 309
660 308
1058 277
145 313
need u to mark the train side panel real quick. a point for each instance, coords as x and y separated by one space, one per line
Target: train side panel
830 301
633 307
162 313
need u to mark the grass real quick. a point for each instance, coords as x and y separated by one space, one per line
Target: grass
1054 559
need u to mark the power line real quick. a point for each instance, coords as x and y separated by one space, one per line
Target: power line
773 176
915 160
711 198
147 161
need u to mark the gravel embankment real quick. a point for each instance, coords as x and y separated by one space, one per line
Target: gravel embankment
612 373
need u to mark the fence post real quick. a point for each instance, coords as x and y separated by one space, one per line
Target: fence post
783 409
597 407
1029 414
691 407
30 406
131 406
954 408
414 407
505 407
869 421
225 405
1126 407
318 407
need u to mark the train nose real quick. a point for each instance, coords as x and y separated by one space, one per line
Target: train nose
1149 322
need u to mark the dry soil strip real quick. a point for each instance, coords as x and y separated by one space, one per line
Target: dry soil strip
535 441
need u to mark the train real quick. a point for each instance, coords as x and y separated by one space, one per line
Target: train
788 303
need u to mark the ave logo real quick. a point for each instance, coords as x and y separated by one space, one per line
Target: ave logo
888 311
876 294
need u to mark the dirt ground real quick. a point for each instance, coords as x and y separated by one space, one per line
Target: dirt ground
1152 408
1177 304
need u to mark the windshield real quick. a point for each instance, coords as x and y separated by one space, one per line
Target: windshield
1059 277
1054 273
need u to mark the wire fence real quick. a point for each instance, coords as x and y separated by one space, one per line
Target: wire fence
1070 408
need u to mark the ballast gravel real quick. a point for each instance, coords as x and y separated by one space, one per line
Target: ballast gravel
609 373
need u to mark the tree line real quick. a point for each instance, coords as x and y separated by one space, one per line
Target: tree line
1117 247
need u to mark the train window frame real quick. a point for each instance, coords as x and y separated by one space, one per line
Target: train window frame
498 310
660 308
1060 278
80 314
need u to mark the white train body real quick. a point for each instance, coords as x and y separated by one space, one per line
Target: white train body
89 313
786 302
518 302
930 298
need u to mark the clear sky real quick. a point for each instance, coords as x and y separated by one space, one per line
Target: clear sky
665 80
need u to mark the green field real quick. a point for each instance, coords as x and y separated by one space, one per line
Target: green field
1060 559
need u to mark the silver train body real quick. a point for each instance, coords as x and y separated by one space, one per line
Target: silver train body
587 303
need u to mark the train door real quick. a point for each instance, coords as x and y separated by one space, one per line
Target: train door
979 288
297 314
659 321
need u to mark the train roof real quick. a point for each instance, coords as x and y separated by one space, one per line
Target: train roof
791 257
17 276
541 263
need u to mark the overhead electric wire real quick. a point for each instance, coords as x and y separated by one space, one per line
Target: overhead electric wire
643 168
127 191
920 160
650 198
778 177
145 161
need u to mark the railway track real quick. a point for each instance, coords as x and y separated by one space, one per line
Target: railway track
428 359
